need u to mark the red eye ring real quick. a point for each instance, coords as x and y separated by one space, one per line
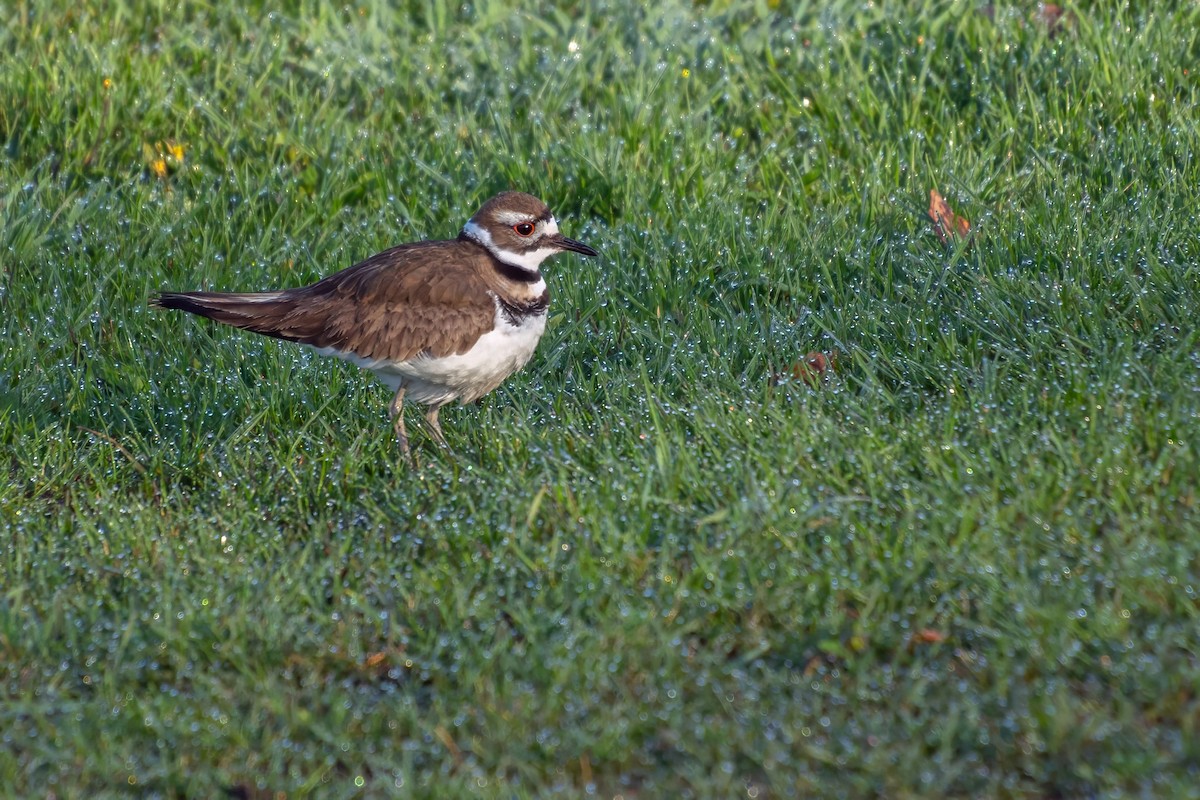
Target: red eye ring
523 228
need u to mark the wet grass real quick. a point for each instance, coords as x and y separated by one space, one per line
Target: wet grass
966 566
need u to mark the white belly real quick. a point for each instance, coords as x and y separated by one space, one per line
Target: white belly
465 377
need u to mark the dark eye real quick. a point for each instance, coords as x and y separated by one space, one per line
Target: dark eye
523 228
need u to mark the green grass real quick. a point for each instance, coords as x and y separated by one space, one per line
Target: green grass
967 566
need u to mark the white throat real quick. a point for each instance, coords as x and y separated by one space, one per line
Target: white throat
529 261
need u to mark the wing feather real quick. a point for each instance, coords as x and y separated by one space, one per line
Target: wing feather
423 298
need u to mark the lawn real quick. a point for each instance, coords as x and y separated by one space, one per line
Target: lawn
660 562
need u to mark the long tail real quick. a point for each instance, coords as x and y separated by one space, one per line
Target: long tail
268 313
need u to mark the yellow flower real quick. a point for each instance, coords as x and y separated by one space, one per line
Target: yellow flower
159 167
687 73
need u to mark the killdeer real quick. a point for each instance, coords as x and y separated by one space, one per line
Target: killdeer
436 321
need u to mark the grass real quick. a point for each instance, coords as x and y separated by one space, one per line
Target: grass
966 566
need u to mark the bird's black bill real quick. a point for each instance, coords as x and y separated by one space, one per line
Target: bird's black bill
576 247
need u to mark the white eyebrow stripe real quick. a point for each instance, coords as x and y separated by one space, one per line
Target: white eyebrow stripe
513 217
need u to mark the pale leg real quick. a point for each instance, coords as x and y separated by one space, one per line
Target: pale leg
396 412
431 416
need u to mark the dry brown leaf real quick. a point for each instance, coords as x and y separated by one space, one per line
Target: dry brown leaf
928 636
946 224
1051 17
1054 18
812 369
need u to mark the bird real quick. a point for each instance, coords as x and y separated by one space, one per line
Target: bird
436 321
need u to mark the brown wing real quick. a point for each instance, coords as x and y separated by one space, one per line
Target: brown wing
427 297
